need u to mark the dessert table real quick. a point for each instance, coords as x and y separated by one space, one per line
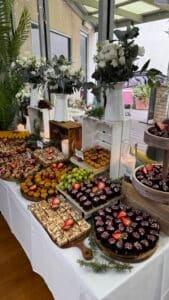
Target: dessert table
148 280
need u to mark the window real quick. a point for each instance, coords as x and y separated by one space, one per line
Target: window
83 52
35 40
60 45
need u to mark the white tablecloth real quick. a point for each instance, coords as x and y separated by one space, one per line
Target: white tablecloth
148 280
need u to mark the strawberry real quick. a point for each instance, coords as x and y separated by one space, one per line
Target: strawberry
161 126
55 201
94 189
121 214
126 221
145 170
33 187
77 186
13 165
101 185
60 165
65 228
69 222
54 205
54 166
117 235
149 167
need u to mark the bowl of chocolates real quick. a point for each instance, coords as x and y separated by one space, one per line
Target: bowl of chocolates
148 180
126 233
158 135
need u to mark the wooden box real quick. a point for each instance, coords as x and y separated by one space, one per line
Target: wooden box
110 135
67 130
157 210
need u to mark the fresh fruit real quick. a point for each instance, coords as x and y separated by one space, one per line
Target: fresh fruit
55 201
126 221
101 185
117 235
33 187
77 186
121 214
69 222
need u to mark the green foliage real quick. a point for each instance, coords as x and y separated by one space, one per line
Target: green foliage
97 112
102 263
142 90
10 42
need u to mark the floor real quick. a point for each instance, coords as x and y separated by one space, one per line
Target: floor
17 280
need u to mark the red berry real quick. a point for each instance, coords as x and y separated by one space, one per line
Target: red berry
69 222
121 214
77 186
101 185
60 165
32 187
117 235
65 228
126 221
56 201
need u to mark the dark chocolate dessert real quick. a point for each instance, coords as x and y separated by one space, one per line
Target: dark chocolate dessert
98 192
126 231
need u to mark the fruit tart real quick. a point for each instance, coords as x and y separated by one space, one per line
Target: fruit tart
49 155
19 167
126 232
61 221
97 157
42 185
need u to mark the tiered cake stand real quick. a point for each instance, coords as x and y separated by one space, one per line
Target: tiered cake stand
148 192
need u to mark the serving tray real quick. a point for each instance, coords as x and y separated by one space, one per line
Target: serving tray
87 214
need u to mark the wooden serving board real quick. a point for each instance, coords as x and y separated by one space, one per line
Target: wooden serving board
127 258
83 165
157 210
87 214
150 193
86 252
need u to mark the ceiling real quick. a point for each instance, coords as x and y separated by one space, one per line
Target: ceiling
138 11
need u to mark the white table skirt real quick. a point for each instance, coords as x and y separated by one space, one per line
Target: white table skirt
148 280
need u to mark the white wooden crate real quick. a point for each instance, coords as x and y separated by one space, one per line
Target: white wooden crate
109 135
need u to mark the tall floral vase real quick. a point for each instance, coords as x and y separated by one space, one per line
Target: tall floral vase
34 97
61 107
114 110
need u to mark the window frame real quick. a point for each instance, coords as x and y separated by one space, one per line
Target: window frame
69 41
84 34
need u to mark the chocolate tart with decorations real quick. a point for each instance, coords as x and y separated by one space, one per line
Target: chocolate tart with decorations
126 234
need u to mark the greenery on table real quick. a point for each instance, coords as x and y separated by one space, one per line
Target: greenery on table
102 263
97 112
11 40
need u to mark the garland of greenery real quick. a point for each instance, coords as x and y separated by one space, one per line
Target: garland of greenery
108 263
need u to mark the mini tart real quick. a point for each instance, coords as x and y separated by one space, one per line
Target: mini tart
42 185
126 231
49 155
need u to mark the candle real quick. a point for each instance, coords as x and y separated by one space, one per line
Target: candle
65 147
20 127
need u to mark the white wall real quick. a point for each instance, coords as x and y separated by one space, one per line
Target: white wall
156 43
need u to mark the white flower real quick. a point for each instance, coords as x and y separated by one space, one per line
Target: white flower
122 60
13 65
102 64
114 63
33 72
141 51
113 52
121 52
108 56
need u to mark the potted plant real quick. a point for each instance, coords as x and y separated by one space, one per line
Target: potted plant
141 95
11 40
